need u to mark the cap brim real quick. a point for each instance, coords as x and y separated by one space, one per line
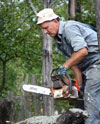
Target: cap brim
45 20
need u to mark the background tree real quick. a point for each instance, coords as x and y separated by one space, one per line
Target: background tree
71 9
78 10
97 11
16 32
48 105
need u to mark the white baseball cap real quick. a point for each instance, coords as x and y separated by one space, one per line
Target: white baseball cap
46 14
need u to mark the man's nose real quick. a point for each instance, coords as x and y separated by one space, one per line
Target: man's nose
45 31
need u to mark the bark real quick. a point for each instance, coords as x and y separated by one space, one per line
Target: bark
3 76
97 12
71 9
32 6
48 3
6 111
78 10
47 68
48 106
72 116
40 120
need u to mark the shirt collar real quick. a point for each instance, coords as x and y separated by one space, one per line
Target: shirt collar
61 27
60 31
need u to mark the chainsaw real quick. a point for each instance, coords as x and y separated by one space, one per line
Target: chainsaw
62 88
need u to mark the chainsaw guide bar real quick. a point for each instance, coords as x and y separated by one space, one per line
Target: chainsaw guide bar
58 94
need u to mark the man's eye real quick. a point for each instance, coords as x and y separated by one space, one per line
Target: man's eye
46 28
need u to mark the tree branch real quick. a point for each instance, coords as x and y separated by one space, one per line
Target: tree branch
1 59
32 6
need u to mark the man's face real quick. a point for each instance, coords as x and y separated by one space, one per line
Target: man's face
50 27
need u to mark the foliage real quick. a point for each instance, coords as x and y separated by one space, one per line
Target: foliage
61 8
62 105
18 27
87 14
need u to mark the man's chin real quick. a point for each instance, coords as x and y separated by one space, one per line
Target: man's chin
52 35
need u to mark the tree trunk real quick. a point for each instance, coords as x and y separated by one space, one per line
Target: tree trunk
97 12
47 68
71 9
48 107
3 76
78 10
48 3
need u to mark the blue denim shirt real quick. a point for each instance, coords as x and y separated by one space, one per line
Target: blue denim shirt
73 36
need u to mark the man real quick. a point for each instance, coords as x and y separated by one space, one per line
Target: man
78 43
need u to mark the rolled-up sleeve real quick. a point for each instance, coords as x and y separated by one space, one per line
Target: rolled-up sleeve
74 37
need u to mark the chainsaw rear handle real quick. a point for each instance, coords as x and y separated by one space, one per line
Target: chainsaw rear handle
55 71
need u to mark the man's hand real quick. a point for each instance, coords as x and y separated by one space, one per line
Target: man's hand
62 70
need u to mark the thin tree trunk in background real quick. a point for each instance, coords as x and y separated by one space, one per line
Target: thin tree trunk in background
78 10
97 12
71 9
3 76
48 3
48 105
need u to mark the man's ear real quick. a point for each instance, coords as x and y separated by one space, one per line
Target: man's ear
55 20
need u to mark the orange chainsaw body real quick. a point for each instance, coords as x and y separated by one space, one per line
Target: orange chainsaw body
75 84
63 87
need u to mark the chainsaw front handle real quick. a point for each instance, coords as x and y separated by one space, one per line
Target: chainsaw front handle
55 74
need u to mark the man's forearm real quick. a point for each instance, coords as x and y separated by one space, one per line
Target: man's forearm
77 73
76 58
